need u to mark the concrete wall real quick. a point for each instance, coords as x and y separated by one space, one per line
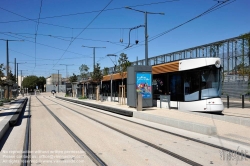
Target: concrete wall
53 79
62 88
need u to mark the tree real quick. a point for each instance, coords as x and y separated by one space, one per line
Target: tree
30 82
2 75
97 74
41 82
123 65
84 70
122 69
73 78
105 71
11 78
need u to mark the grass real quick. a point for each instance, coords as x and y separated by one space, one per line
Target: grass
82 97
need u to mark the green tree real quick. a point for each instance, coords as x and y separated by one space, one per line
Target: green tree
11 78
105 71
73 78
123 65
41 82
84 70
97 74
2 75
122 69
30 82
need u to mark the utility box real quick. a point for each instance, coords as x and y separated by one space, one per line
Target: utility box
139 80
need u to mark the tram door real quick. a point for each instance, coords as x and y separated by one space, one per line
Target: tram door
176 90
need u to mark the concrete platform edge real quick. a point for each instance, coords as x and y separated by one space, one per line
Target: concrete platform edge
185 125
102 107
231 119
5 123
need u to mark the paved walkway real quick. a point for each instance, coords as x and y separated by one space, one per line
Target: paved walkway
227 130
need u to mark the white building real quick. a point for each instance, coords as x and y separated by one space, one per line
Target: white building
53 79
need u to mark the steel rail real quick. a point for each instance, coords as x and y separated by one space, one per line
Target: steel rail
98 161
164 131
26 156
175 155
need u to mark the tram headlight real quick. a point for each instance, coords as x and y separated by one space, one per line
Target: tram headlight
217 63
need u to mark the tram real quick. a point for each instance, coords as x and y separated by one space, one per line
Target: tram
192 84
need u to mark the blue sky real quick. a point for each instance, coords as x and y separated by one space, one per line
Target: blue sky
65 25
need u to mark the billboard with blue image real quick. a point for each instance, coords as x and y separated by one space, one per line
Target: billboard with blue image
144 84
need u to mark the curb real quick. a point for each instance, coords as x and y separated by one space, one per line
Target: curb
181 124
102 107
10 121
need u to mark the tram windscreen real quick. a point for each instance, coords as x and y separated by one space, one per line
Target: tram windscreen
202 84
210 83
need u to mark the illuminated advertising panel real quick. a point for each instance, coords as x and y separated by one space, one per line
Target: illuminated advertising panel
144 84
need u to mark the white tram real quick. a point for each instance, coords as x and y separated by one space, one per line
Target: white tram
193 84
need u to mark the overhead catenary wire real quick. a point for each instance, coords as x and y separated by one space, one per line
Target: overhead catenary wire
211 9
37 27
47 45
83 30
66 15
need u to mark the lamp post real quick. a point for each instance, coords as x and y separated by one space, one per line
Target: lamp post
67 68
111 80
146 30
93 54
7 61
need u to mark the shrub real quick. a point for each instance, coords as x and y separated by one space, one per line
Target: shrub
6 100
81 97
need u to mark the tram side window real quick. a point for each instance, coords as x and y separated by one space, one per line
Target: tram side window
191 85
210 83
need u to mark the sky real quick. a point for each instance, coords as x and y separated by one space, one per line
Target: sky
46 35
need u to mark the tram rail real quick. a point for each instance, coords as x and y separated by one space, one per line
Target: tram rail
164 131
98 161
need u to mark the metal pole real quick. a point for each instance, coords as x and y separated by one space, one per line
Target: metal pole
21 80
146 40
15 66
227 101
93 59
58 82
66 71
17 74
111 87
228 58
243 101
7 59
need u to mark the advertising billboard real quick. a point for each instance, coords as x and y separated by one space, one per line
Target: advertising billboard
144 84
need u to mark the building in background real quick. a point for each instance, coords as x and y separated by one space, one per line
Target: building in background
54 82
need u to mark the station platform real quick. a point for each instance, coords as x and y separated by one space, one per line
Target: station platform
9 114
234 125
